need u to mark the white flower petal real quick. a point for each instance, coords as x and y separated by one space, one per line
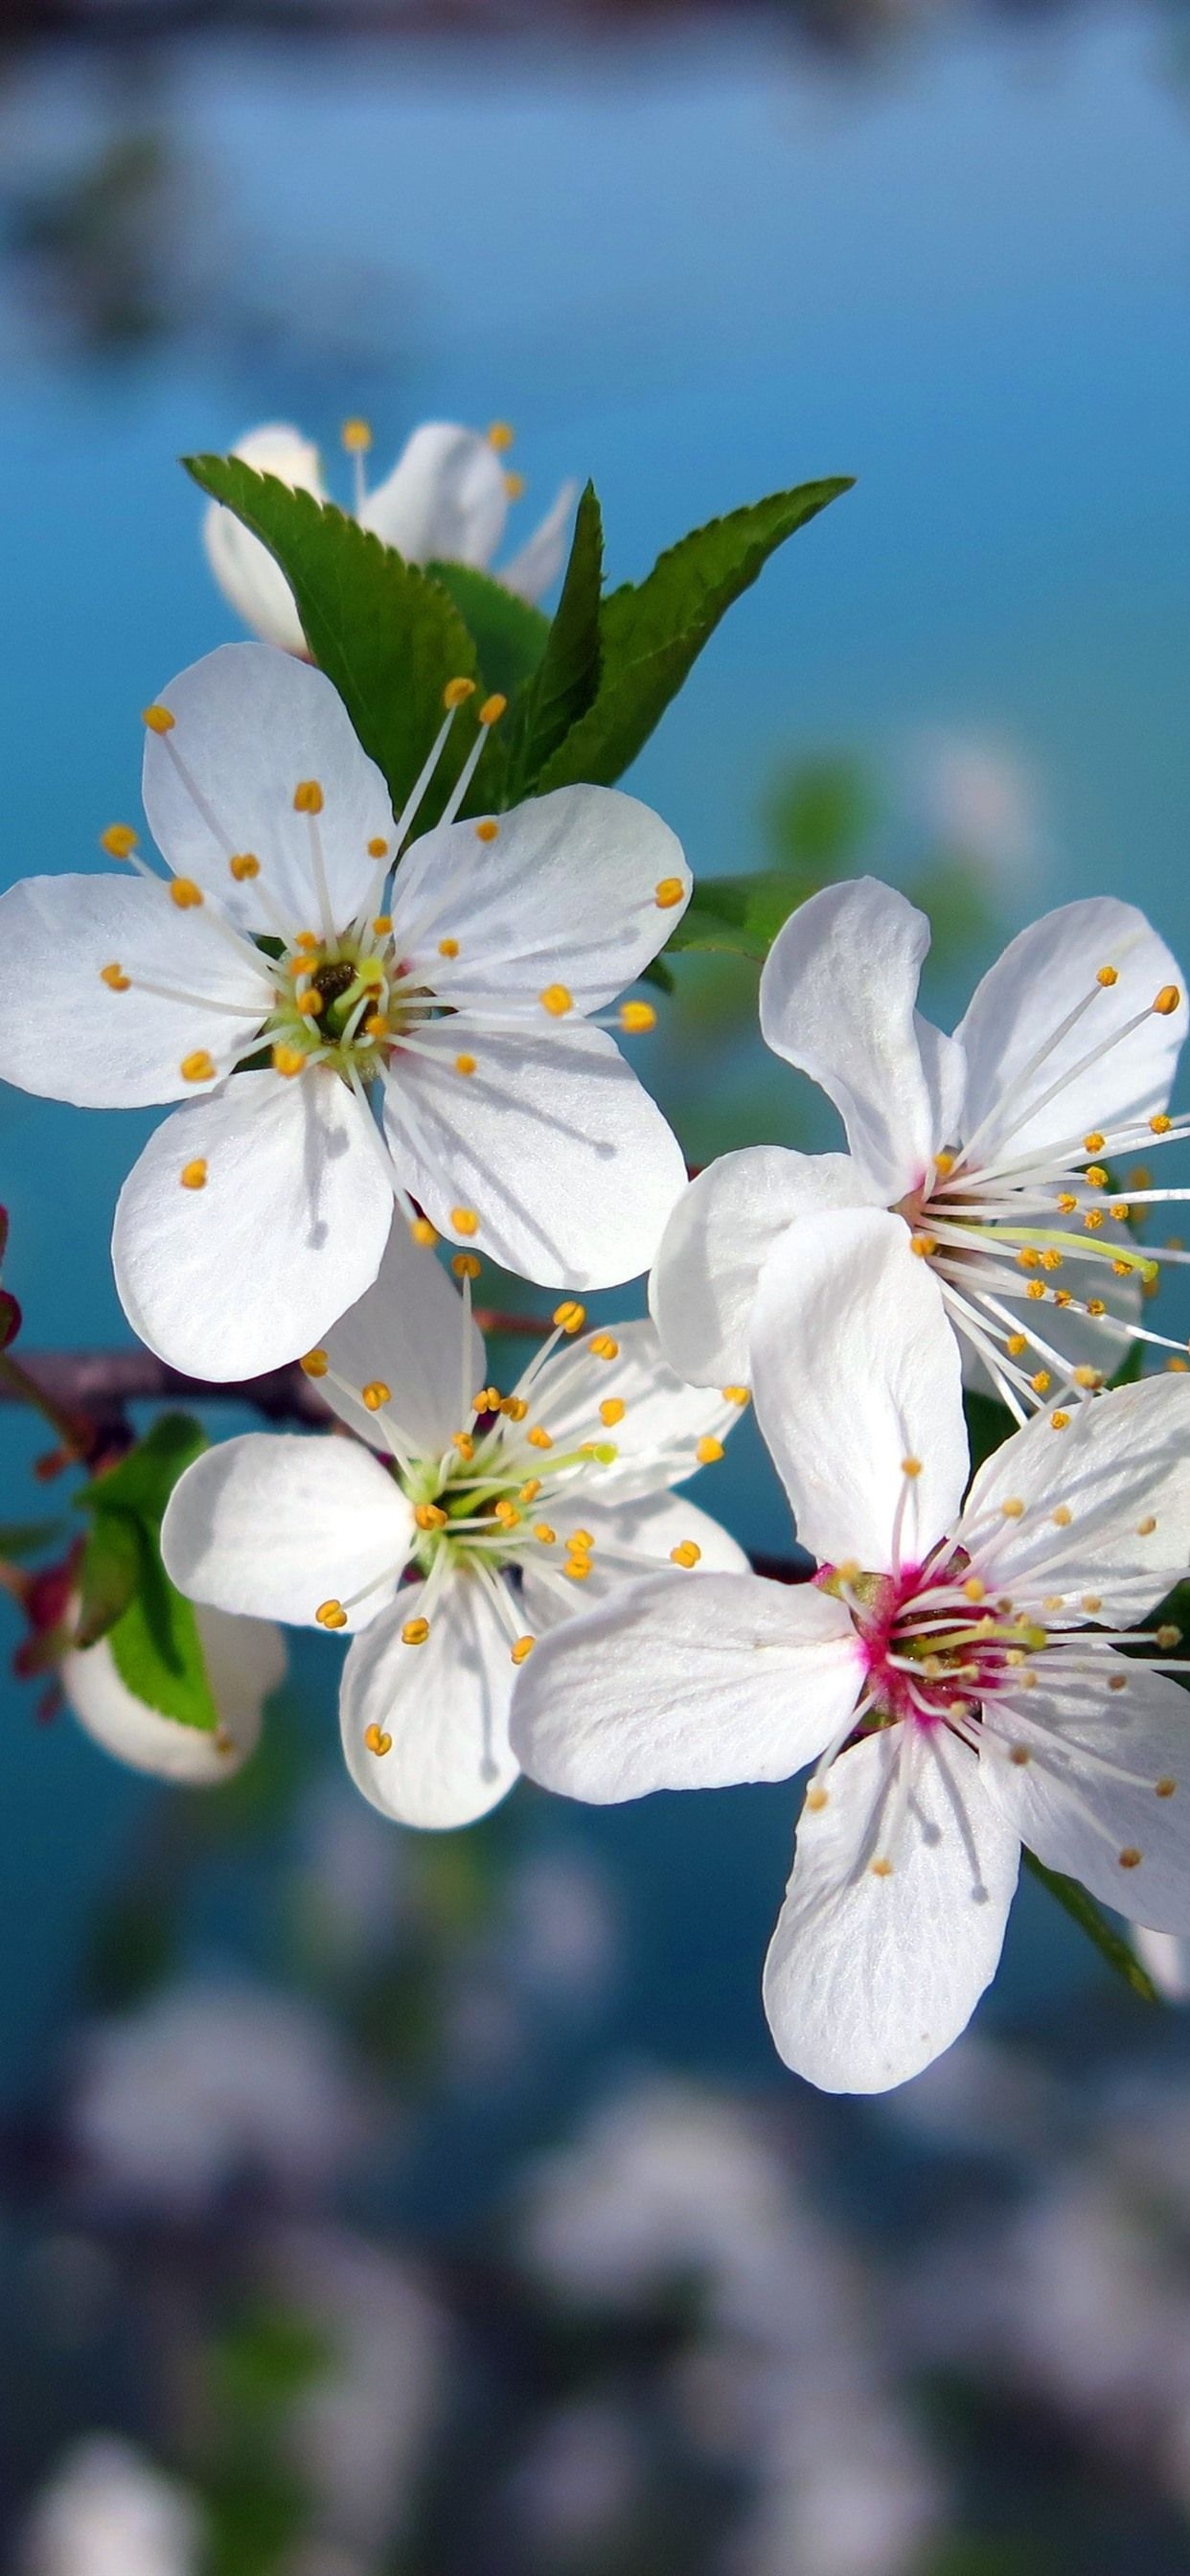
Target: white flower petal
870 1977
535 567
1030 990
245 1660
101 1049
838 998
651 1527
1167 1959
568 1164
248 1272
250 725
1119 1477
275 1523
704 1280
247 574
566 895
445 500
692 1684
854 1370
443 1706
407 1333
656 1436
1129 1844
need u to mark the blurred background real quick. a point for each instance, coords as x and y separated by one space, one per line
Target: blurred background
376 2206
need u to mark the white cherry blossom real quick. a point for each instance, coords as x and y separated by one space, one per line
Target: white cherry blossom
107 2510
445 501
486 1519
245 1661
941 1671
993 1146
459 1006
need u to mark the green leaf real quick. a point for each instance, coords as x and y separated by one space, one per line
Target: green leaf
651 632
820 813
1092 1920
568 679
127 1595
738 914
26 1538
508 634
385 633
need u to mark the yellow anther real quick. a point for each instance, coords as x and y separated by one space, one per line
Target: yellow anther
1167 1000
506 1513
570 1317
816 1798
1168 1637
466 1265
707 1450
197 1067
1051 1260
514 485
488 830
1067 1203
1118 1681
310 1003
1140 1178
114 977
314 1363
1130 1858
487 1400
612 1410
307 797
1053 1600
1160 1125
686 1553
943 1164
193 1176
158 719
1164 1788
1120 1210
306 939
1040 1382
429 1516
456 692
1145 1528
539 1437
415 1632
377 1740
448 947
492 709
1093 1220
1035 1290
356 436
1015 1344
376 1026
500 436
331 1614
667 892
464 1064
287 1060
578 1568
1178 1367
1059 1421
542 1531
1061 1515
1091 1603
463 1442
923 1245
244 866
1062 1297
382 923
424 1233
1107 976
1018 1753
1096 1307
119 841
556 1000
1094 1143
636 1018
378 849
465 1220
880 1869
736 1394
514 1406
521 1651
1027 1258
530 1491
974 1588
603 1347
1013 1508
1088 1378
185 893
375 1395
910 1467
1095 1176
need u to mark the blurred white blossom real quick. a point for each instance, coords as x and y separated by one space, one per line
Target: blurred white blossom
359 2433
108 2512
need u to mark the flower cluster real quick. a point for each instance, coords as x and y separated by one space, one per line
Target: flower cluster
381 1044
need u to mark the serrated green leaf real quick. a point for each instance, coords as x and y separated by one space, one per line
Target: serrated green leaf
508 633
740 915
652 631
109 1572
145 1478
385 633
1092 1920
27 1538
568 679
